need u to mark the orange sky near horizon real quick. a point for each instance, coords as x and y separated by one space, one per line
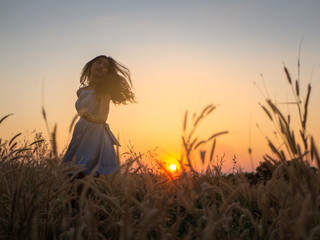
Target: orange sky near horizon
177 63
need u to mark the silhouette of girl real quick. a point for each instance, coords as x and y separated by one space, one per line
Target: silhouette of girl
91 147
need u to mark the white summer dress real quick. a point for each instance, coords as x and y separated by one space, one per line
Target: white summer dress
91 147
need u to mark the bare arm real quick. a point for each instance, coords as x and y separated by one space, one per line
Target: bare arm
102 116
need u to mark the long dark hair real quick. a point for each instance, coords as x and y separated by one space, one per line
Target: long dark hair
117 82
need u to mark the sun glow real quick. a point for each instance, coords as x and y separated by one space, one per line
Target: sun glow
173 167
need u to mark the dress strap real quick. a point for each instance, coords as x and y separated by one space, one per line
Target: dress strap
113 138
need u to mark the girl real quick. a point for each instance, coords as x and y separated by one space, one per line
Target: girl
91 148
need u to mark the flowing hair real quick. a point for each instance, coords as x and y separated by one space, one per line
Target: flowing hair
117 82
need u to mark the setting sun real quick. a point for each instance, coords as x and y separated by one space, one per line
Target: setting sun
173 167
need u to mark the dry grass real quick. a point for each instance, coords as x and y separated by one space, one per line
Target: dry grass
39 201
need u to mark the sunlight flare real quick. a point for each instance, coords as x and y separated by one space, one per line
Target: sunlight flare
173 167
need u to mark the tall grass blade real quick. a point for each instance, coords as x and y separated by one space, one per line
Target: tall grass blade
36 142
12 139
217 134
54 142
267 112
2 119
287 74
202 156
13 146
212 149
199 144
306 107
44 114
297 88
185 121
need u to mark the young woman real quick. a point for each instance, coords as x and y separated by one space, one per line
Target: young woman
91 148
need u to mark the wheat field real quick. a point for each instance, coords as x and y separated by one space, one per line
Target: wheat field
281 200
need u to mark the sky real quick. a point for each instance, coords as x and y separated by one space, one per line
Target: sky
183 55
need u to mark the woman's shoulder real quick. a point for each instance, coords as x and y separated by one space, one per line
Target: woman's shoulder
80 90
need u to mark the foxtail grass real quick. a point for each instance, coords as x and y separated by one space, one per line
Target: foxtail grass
38 200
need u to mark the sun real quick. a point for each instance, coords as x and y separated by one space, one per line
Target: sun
173 167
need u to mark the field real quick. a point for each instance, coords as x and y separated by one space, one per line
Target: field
281 200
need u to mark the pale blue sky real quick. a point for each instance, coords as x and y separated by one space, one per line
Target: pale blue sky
182 54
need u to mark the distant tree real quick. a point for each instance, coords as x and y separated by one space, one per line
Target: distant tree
252 178
264 171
